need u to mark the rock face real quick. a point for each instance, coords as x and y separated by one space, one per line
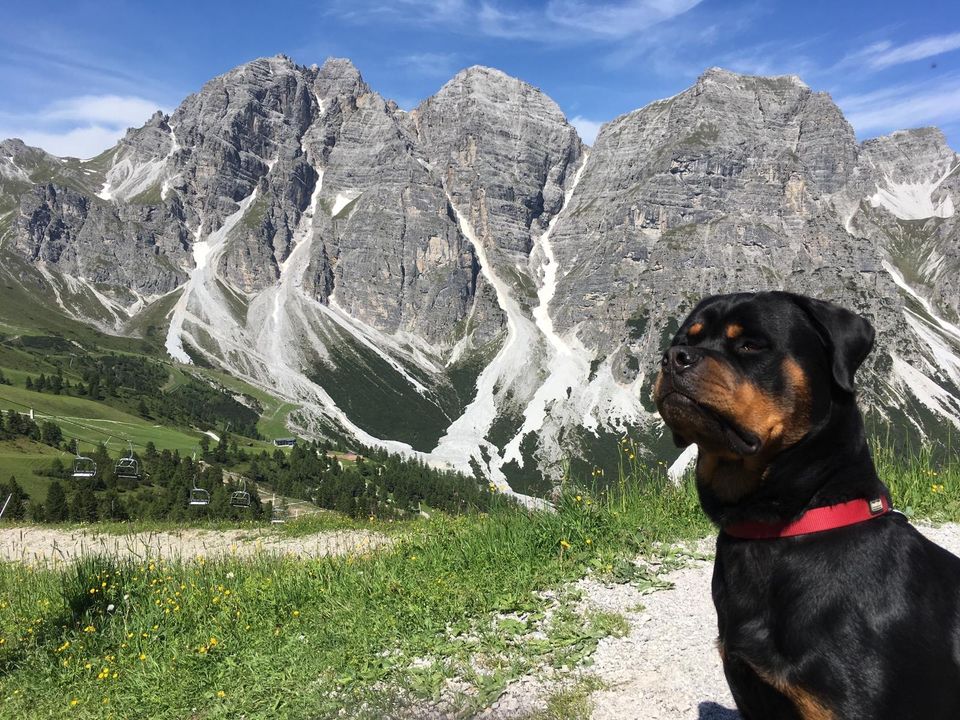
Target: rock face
469 280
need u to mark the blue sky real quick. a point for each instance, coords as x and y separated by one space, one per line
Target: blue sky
74 75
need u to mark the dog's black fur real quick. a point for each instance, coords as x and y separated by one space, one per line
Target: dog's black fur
861 622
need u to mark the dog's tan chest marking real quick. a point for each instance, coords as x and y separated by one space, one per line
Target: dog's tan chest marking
805 702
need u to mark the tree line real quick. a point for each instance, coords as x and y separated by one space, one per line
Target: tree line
369 483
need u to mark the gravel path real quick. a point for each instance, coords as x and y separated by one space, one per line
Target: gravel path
49 547
668 666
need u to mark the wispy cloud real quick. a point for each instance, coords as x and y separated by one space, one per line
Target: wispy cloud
84 142
586 129
770 58
431 64
577 21
904 106
885 54
113 110
555 21
415 11
81 126
691 42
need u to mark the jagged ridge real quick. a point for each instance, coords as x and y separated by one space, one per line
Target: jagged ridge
469 267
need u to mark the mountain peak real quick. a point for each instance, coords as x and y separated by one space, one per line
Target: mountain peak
722 75
339 76
487 75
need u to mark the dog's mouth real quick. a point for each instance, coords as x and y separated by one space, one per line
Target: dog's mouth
689 418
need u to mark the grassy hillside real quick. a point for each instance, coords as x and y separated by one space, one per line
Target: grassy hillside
106 379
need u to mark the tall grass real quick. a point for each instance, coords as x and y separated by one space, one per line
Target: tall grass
921 485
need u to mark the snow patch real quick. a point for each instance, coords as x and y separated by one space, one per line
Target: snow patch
914 200
126 179
929 393
198 291
899 280
466 436
568 366
9 169
342 200
680 466
174 147
943 354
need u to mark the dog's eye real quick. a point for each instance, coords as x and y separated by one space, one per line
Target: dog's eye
749 346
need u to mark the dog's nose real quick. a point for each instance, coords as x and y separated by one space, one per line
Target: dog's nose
680 358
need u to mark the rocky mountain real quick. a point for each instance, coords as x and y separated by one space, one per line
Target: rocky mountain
469 281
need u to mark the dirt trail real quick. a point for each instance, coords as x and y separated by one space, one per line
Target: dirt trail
50 546
668 665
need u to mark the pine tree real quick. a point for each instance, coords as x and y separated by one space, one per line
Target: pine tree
50 434
29 383
16 507
83 507
56 505
142 409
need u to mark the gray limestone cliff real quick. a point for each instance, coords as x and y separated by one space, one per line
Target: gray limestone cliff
471 267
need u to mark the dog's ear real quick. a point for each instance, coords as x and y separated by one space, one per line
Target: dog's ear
847 336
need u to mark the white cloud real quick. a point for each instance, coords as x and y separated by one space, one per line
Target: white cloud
615 20
586 129
904 106
418 11
81 126
885 54
84 142
112 110
576 21
431 64
563 21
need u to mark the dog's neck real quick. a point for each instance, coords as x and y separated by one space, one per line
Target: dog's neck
832 464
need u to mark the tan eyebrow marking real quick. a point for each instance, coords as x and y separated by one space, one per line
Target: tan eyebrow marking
734 331
695 328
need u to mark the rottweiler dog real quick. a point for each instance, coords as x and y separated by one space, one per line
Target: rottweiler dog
829 605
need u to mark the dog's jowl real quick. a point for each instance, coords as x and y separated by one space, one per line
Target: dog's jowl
829 604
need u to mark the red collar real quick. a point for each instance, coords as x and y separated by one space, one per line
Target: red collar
813 521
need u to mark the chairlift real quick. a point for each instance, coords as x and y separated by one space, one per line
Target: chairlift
83 466
279 515
128 467
240 498
198 496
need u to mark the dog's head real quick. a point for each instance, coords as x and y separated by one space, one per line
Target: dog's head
750 375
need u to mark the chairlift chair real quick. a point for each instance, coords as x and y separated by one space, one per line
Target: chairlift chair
279 515
84 467
240 498
198 496
128 467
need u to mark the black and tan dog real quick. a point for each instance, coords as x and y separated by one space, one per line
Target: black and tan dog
829 605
